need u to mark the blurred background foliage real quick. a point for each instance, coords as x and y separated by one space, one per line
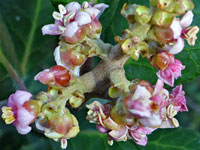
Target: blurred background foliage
24 52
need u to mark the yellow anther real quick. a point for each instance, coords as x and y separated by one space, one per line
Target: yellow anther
8 115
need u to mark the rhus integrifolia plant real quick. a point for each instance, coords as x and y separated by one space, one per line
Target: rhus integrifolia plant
136 108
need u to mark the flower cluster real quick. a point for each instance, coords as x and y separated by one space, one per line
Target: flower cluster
139 113
166 34
79 27
137 107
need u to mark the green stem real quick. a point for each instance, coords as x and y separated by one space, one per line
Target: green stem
11 71
31 36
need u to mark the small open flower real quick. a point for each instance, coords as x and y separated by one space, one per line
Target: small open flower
71 20
21 111
169 67
181 32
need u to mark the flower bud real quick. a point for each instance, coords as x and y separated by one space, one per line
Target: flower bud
77 37
77 99
154 3
162 18
93 29
167 5
143 14
128 11
117 114
69 57
163 35
182 6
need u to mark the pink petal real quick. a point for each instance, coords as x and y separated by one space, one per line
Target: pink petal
166 124
187 19
140 135
118 135
23 129
71 29
101 7
24 117
176 28
11 102
159 86
51 29
20 97
93 12
82 18
44 76
73 6
166 76
140 109
101 129
177 47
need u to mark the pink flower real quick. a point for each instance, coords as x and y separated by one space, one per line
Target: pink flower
173 71
178 98
20 111
181 32
71 19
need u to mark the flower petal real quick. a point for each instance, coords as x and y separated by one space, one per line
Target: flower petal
187 19
159 86
176 28
22 129
44 76
73 6
51 29
119 134
82 18
24 118
177 47
166 76
20 97
101 7
71 29
93 12
141 93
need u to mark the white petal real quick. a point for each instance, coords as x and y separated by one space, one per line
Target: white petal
187 19
73 6
176 28
82 18
51 29
177 47
71 29
141 93
23 130
57 56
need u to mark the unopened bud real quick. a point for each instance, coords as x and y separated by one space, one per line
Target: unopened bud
163 35
143 14
182 6
167 5
162 18
154 3
77 99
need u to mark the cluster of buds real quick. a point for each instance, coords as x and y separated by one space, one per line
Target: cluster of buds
137 108
157 30
143 110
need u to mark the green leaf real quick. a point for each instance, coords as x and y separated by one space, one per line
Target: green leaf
23 46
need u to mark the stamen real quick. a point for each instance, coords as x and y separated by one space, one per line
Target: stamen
191 35
62 29
57 16
62 9
63 143
85 5
8 115
68 17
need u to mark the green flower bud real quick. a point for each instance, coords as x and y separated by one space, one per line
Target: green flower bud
128 11
143 14
167 5
162 18
77 99
153 3
182 6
